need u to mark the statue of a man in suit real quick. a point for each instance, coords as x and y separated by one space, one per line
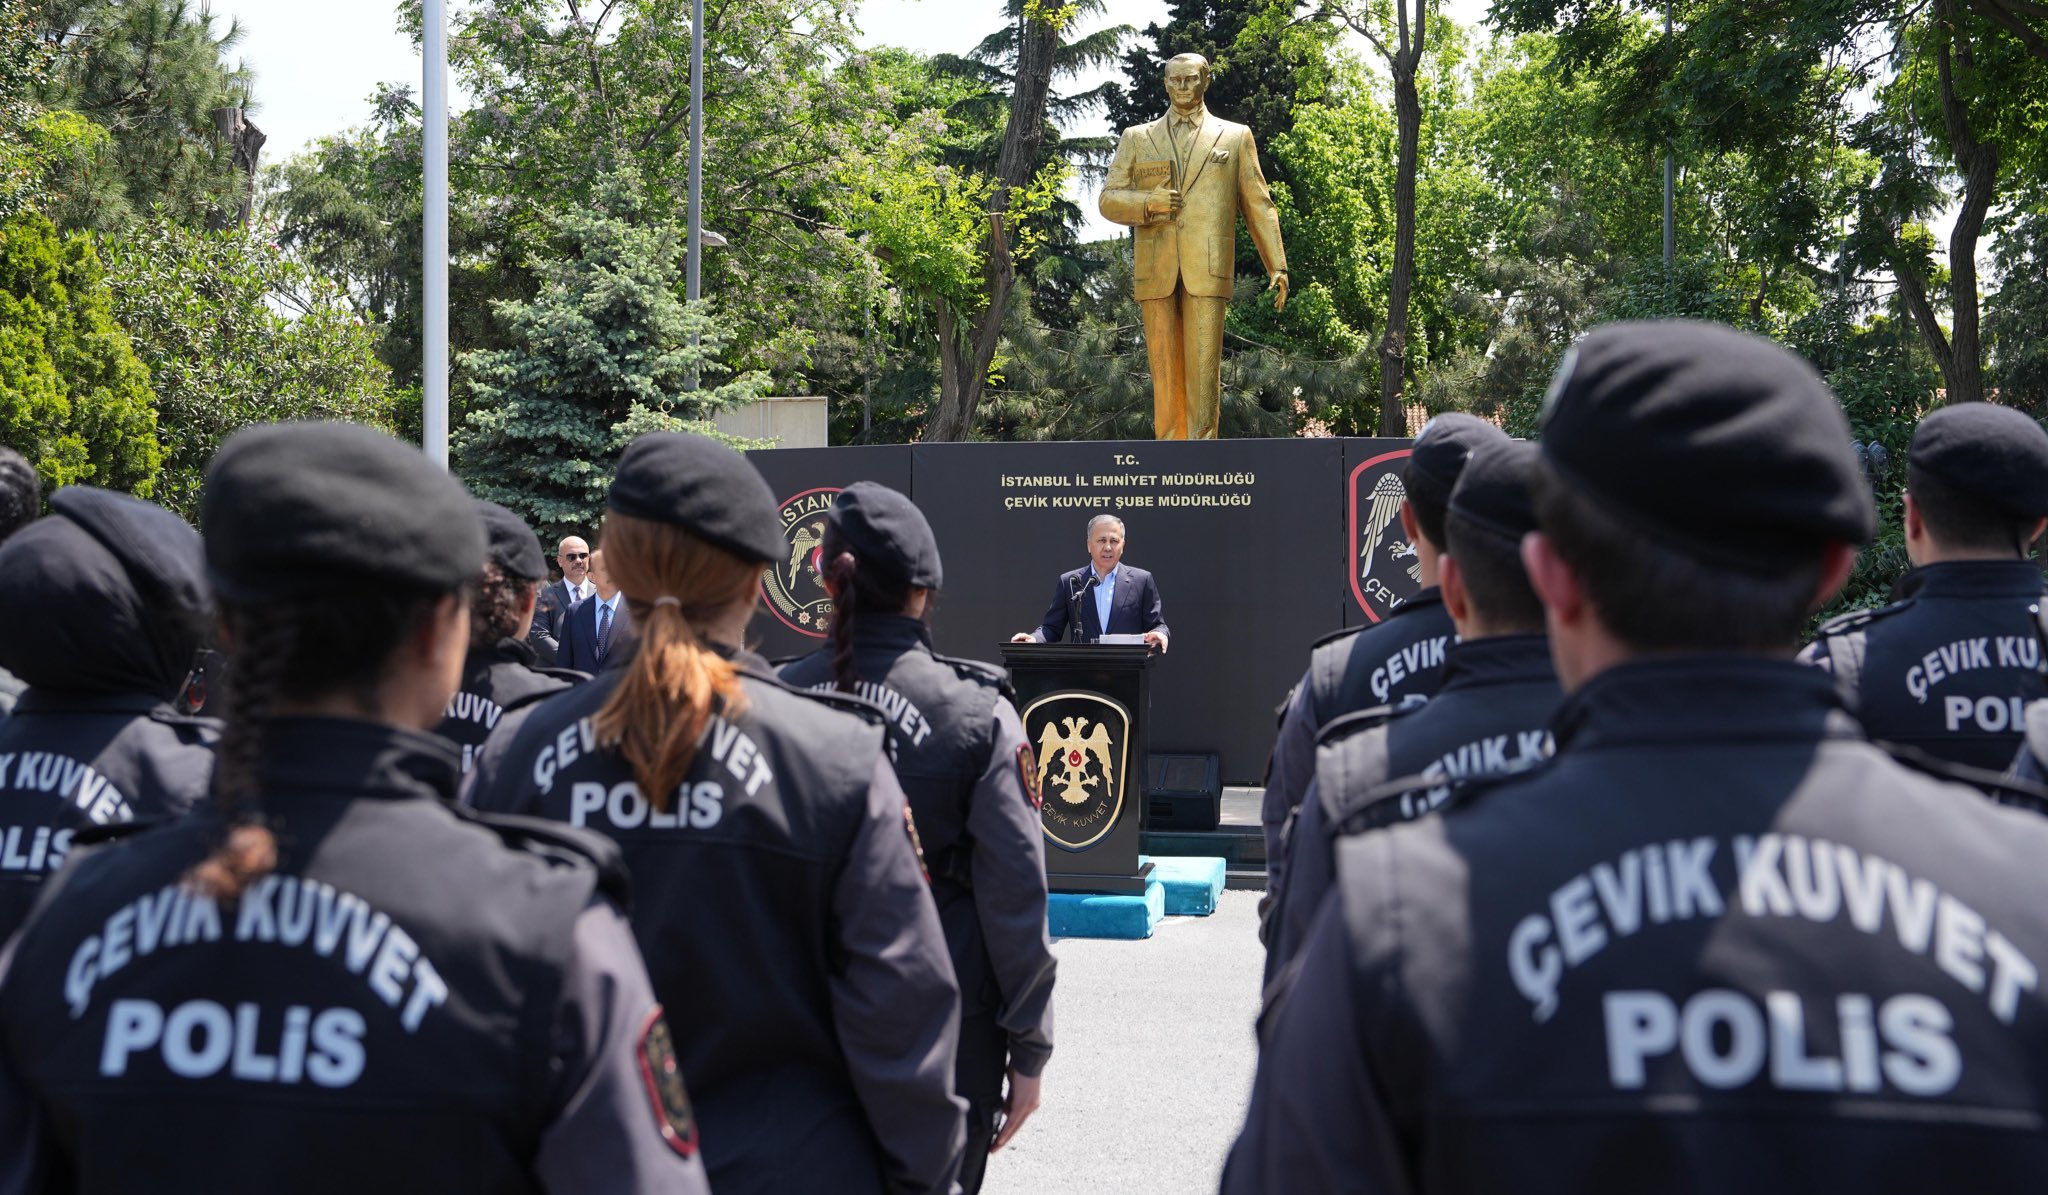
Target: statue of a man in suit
1180 182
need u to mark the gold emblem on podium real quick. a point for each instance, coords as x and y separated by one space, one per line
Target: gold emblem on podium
794 589
1082 747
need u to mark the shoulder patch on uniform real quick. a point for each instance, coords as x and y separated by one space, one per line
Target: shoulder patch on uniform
663 1074
553 840
1346 725
916 843
1027 771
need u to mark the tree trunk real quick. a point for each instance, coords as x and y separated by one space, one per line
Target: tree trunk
1957 352
954 418
245 142
1394 344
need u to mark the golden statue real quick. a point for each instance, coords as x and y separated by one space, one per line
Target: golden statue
1187 241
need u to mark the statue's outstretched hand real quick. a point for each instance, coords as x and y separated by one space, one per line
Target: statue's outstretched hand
1278 285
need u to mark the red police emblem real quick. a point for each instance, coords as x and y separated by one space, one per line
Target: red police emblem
1383 565
663 1075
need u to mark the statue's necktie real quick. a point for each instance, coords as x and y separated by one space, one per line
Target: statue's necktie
604 632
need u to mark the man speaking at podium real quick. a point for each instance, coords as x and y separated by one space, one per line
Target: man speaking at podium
1104 597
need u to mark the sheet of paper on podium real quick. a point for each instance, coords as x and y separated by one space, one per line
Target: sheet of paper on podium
1126 640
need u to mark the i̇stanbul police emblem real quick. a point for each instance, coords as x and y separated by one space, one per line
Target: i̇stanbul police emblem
1082 743
793 585
1385 570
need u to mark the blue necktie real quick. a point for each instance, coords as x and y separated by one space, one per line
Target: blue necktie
604 631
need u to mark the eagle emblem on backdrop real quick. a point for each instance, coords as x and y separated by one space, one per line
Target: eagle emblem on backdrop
1082 744
1385 569
794 587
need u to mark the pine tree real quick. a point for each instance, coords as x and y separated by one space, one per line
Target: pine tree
606 350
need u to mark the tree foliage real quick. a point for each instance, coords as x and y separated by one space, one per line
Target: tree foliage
152 73
234 332
605 351
74 399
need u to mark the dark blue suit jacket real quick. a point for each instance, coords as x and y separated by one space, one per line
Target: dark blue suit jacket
1134 610
579 637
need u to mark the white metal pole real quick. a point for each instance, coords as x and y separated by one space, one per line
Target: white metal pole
434 234
694 267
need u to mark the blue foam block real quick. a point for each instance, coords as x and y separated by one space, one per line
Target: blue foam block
1089 915
1192 883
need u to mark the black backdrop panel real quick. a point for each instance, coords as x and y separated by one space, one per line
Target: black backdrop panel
1243 537
1259 546
804 480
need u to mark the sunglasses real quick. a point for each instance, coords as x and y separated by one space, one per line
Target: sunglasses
575 555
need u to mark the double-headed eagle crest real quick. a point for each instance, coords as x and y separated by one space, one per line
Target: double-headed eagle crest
1070 749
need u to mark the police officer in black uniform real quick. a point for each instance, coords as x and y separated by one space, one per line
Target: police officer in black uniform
1491 715
779 899
106 600
1392 662
501 675
960 752
1950 666
1720 941
331 979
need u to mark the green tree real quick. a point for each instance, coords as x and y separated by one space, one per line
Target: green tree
153 73
2016 316
235 333
604 352
74 399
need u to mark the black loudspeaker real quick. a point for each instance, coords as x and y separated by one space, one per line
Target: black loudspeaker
1183 792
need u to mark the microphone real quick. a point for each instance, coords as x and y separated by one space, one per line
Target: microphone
1080 594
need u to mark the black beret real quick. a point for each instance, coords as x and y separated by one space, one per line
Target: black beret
1441 449
703 487
1994 454
510 544
1493 491
292 507
115 589
1722 444
888 533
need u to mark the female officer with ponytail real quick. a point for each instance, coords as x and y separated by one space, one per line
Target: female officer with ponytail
777 895
961 755
330 979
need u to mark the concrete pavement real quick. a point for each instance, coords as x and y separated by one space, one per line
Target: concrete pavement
1152 1063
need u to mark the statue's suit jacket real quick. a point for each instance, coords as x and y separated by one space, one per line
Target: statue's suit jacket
1220 178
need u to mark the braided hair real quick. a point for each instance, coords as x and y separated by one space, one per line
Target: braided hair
340 642
856 594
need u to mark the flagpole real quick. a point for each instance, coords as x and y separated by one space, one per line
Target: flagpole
434 232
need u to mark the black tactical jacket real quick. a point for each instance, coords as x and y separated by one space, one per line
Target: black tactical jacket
1950 667
1718 943
788 927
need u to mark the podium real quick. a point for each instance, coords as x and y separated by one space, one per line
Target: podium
1086 711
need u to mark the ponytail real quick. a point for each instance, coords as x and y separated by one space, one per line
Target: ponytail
857 593
337 642
842 571
675 682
